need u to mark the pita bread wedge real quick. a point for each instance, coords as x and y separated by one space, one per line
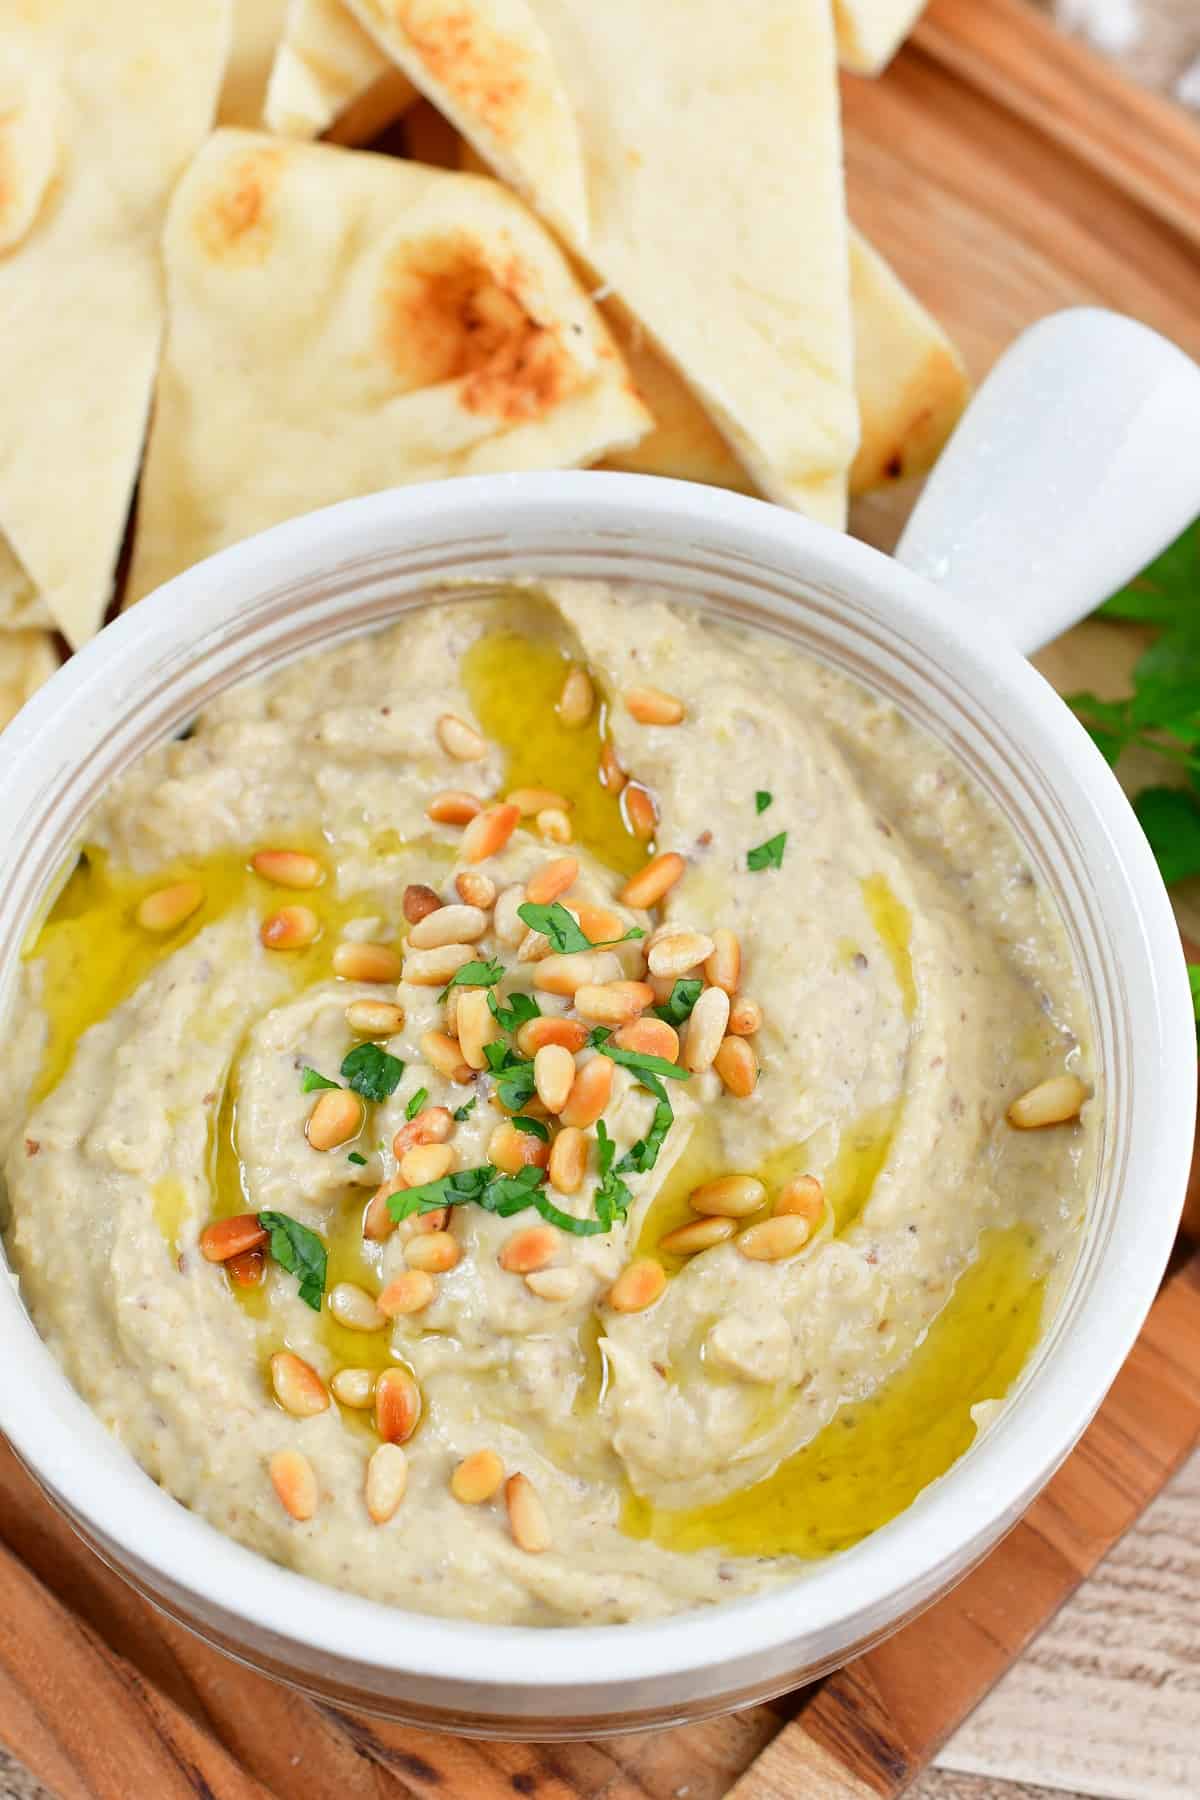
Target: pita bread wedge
328 70
101 108
715 209
258 27
27 659
869 32
20 603
342 322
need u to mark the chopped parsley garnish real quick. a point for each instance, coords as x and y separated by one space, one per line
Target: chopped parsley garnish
762 800
496 1193
475 974
299 1251
643 1064
356 1156
513 1073
612 1198
464 1112
683 996
416 1103
520 1009
531 1127
562 933
768 855
371 1072
599 1034
311 1080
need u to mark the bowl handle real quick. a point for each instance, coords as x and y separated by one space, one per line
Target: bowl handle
1076 463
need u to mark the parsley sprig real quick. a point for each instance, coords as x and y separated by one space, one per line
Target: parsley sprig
299 1251
563 934
501 1194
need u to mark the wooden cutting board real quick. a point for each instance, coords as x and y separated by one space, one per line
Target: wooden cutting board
1006 173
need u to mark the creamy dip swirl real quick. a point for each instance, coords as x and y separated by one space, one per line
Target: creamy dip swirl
912 979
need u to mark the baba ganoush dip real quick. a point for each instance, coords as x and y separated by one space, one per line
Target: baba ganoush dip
511 1115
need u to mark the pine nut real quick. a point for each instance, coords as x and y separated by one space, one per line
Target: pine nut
554 825
590 1093
531 800
736 1063
444 1054
563 974
526 1515
730 1197
295 1483
529 1249
460 740
298 1388
246 1269
803 1198
291 928
577 698
434 968
701 1234
1051 1102
432 1125
230 1237
650 706
452 807
745 1018
411 1292
613 1002
638 1286
663 985
475 889
458 924
335 1119
366 962
706 1030
553 1076
168 907
641 814
649 885
612 775
572 1034
374 1018
507 923
649 1037
552 880
436 1252
477 1477
533 947
568 1160
487 835
424 1224
723 966
772 1240
476 1026
397 1403
387 1479
598 923
288 868
678 951
425 1163
419 902
378 1223
512 1150
354 1308
553 1284
354 1388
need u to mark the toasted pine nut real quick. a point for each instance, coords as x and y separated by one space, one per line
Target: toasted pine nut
638 1286
456 924
288 868
378 1223
554 825
476 1026
568 1160
335 1119
577 968
387 1479
397 1403
533 947
577 698
724 966
730 1197
663 985
411 1292
246 1269
803 1198
772 1240
425 1224
531 800
649 1037
435 1252
650 706
475 889
452 807
298 1388
445 1055
230 1237
295 1483
425 1163
572 1034
487 835
433 968
432 1125
598 923
641 814
507 923
678 951
529 1249
612 775
477 1477
648 886
512 1150
553 1075
526 1515
745 1018
552 880
366 962
374 1018
168 907
353 1388
735 1062
701 1234
1051 1102
590 1093
419 902
613 1002
354 1308
291 928
460 740
706 1029
552 1284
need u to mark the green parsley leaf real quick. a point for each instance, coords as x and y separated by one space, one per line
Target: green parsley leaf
1194 981
475 974
520 1009
416 1103
768 855
612 1199
562 933
1170 818
643 1065
299 1251
599 1034
762 800
464 1112
513 1073
531 1127
356 1156
553 1215
643 1155
310 1081
1164 590
682 998
371 1072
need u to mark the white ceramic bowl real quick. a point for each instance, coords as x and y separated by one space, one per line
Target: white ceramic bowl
360 564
